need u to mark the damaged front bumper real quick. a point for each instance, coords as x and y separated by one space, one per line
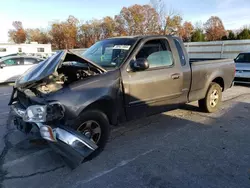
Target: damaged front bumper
72 145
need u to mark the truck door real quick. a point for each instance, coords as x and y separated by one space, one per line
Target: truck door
159 87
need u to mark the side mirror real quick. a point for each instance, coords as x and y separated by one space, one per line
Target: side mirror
235 60
139 65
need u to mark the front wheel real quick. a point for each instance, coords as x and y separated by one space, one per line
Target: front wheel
94 124
212 101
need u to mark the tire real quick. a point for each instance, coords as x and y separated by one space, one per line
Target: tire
212 101
99 117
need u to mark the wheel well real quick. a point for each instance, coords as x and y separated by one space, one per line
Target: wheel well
219 81
105 106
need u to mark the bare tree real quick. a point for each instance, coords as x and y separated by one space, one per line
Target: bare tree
166 14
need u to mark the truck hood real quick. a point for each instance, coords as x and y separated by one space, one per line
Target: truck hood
50 66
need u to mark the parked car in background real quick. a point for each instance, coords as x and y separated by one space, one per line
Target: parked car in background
11 67
242 62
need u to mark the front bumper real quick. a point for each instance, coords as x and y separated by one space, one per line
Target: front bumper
242 77
72 145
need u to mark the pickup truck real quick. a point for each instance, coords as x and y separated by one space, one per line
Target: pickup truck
72 100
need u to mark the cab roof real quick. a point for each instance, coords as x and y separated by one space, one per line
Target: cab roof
139 36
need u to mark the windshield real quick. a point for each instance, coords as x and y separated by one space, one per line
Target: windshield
243 58
109 52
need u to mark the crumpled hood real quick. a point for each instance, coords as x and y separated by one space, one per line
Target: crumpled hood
50 66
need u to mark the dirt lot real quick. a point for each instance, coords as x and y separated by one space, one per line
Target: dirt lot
181 148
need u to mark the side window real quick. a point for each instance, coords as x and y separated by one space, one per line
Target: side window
14 61
180 52
157 52
40 49
28 61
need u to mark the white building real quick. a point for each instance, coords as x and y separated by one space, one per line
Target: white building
32 48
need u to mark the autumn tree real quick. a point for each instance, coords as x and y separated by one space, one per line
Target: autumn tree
83 35
17 34
214 28
186 31
92 31
120 29
37 35
107 27
138 20
173 25
64 34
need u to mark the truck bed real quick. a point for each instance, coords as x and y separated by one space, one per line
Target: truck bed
205 70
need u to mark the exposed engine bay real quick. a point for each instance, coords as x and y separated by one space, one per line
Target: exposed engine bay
68 73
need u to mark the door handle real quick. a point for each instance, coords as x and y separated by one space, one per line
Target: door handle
175 76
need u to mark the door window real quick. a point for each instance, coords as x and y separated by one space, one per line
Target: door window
14 61
28 61
157 52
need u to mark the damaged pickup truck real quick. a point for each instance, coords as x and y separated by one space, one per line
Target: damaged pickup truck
72 100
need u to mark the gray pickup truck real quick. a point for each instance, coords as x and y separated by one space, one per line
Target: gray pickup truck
72 100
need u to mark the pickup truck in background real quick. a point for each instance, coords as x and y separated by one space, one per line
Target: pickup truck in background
72 100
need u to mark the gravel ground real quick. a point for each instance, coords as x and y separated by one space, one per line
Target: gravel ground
180 148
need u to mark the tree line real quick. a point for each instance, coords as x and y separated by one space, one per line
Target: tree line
150 19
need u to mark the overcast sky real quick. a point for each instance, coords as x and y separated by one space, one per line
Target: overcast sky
39 14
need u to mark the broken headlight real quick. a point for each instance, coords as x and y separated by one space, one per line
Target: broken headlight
44 113
35 113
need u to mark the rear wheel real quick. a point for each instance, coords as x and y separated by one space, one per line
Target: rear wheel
212 101
94 124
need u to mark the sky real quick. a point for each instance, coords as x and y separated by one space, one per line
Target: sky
40 13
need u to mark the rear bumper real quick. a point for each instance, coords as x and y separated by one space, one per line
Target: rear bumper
72 145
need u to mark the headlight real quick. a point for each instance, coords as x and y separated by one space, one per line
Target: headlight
44 113
36 114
